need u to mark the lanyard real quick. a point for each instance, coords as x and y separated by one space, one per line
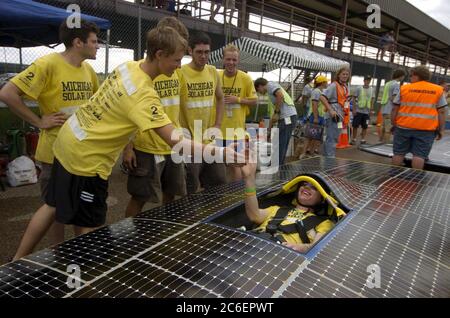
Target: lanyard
234 80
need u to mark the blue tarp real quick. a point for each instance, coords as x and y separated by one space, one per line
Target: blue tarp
27 23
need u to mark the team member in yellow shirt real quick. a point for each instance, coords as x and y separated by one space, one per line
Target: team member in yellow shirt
201 100
60 82
153 175
240 93
90 142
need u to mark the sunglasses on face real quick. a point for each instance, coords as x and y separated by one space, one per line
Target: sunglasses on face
308 185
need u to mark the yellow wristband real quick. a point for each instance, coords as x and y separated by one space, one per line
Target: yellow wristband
250 194
239 100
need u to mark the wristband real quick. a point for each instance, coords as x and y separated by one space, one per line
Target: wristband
239 100
250 194
250 190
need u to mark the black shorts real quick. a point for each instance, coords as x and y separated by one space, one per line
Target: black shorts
362 120
78 200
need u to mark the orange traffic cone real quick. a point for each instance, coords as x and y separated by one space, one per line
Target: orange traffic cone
343 139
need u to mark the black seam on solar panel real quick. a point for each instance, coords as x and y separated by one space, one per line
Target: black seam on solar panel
162 221
52 268
25 279
137 255
100 255
342 249
372 238
192 209
338 284
197 238
400 244
292 278
181 277
418 253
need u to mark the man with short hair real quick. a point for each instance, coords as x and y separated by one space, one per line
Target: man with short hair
201 101
418 117
285 114
362 106
240 94
60 82
152 173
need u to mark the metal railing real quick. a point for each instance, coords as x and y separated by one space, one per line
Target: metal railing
264 17
282 20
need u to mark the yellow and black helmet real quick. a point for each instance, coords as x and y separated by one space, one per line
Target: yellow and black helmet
330 204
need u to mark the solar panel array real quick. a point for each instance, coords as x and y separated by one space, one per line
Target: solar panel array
395 243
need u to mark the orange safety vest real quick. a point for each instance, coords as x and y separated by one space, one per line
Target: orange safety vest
418 106
342 95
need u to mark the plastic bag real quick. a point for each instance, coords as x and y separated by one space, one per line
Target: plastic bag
21 171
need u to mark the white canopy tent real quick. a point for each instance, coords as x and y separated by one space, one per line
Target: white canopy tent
254 54
257 56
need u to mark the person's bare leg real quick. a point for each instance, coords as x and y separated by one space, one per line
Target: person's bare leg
298 148
38 226
354 134
382 134
56 233
316 147
307 149
167 197
418 163
397 160
363 134
80 230
133 207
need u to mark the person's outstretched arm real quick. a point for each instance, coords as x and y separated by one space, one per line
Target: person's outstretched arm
169 134
254 213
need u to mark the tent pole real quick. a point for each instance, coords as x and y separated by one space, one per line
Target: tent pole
292 82
20 59
279 79
108 33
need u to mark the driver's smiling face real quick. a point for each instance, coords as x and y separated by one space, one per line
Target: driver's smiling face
308 194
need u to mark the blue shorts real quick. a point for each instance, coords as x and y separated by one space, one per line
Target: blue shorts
417 142
321 120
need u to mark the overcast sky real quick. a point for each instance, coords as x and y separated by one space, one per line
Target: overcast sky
437 9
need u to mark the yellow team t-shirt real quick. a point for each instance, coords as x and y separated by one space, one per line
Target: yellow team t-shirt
197 98
291 218
241 86
91 140
168 89
57 86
